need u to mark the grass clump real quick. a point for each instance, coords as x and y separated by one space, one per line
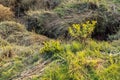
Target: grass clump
5 13
10 27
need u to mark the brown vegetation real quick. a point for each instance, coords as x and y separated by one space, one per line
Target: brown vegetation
5 13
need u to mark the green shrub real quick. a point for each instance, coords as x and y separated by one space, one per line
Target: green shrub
82 31
51 48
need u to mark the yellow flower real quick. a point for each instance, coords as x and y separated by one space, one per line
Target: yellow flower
87 28
87 22
84 25
94 22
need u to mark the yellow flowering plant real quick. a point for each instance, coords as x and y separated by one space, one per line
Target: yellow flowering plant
50 48
83 30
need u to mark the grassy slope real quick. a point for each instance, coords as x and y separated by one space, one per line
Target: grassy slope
19 49
20 56
54 23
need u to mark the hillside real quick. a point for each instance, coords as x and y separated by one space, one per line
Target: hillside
59 39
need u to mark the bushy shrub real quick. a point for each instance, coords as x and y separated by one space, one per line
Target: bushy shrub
5 13
82 31
50 48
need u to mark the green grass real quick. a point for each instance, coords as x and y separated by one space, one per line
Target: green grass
77 61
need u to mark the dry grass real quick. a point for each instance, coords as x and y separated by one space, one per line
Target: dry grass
5 13
16 33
